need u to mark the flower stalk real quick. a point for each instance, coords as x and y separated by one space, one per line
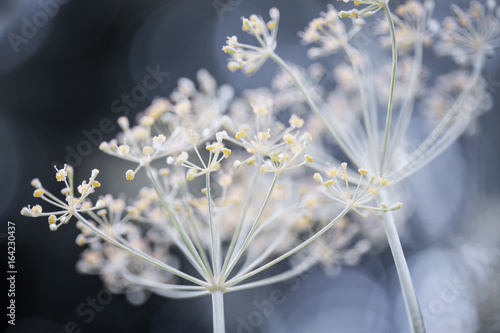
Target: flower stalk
409 295
218 311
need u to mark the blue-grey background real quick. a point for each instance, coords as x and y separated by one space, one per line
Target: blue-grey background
60 79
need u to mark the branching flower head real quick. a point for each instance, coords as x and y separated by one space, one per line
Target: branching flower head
372 7
414 24
71 205
217 152
279 149
167 126
329 32
118 269
472 33
355 194
250 58
219 197
447 89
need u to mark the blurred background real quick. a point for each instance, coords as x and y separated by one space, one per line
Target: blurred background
70 68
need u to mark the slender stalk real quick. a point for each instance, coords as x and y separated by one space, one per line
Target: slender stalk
308 241
265 254
431 146
299 269
409 295
391 94
214 232
409 101
369 120
248 238
334 133
192 255
194 231
218 311
141 255
246 205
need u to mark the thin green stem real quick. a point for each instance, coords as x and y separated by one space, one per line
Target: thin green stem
391 93
407 107
270 249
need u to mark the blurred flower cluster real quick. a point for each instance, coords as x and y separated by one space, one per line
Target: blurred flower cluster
238 184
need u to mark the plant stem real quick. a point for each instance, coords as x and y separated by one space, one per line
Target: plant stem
409 295
255 224
239 278
218 311
141 255
391 94
332 128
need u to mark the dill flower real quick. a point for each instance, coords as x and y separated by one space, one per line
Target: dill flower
118 269
329 32
372 7
471 33
340 189
447 89
276 146
343 245
71 205
250 58
383 150
167 126
414 24
232 203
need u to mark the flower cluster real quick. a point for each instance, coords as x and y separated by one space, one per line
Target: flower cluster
71 205
447 89
250 58
373 6
470 34
168 125
276 150
329 32
363 99
356 197
413 25
228 193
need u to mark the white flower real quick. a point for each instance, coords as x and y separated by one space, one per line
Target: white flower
250 58
472 33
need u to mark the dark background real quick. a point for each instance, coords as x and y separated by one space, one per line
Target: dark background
65 78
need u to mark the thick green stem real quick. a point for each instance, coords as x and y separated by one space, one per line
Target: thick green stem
218 311
409 295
